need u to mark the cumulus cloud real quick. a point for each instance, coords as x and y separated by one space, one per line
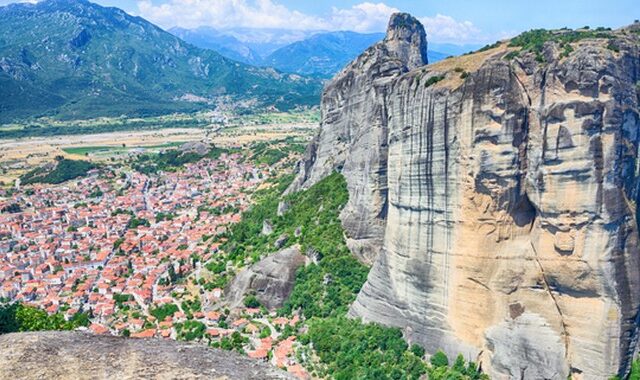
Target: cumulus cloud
363 17
226 14
446 29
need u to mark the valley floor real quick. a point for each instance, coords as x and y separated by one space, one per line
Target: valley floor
18 155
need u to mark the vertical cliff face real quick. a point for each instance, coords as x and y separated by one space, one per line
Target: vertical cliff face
353 134
499 204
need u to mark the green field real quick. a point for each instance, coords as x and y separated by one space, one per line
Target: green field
86 150
47 127
51 127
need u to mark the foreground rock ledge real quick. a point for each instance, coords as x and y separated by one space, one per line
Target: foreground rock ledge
79 355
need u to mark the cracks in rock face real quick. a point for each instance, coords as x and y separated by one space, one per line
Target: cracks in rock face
522 371
523 87
478 282
545 282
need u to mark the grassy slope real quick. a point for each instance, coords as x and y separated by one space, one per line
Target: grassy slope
345 348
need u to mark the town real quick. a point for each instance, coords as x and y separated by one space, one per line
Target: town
129 249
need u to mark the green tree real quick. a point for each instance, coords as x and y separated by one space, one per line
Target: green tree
439 359
173 277
164 311
417 350
251 301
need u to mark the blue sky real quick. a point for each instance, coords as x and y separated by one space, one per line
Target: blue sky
454 21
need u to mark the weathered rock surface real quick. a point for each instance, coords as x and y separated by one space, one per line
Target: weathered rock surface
271 279
77 355
355 120
267 227
502 204
283 207
281 241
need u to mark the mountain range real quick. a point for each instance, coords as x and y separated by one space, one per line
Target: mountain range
76 59
315 53
247 45
321 54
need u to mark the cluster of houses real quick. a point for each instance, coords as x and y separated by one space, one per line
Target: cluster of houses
114 244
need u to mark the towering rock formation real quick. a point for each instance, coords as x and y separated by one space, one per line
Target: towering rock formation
503 191
353 137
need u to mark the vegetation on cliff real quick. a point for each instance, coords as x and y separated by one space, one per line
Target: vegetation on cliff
272 152
342 348
329 285
349 348
244 239
534 40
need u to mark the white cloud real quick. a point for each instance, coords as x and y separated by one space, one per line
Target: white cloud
226 14
446 29
363 17
6 2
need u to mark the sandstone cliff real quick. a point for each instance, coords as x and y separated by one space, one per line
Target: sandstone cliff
354 109
497 196
76 355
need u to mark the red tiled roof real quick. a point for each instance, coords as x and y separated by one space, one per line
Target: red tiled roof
149 333
98 328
